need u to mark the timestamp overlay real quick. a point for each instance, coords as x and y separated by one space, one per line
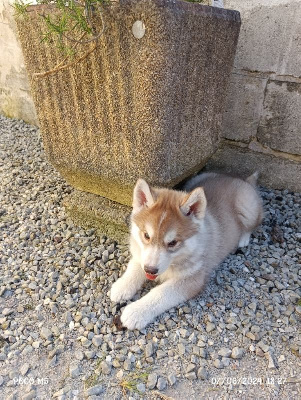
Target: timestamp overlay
250 380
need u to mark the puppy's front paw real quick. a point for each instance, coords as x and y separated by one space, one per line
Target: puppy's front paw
244 240
135 316
122 290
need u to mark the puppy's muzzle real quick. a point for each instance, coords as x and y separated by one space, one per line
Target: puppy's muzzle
150 270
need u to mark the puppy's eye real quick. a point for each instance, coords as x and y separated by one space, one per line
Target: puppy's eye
172 243
146 236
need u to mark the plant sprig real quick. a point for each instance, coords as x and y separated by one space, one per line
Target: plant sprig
73 19
67 24
131 381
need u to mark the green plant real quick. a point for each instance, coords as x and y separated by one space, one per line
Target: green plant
2 342
131 381
68 23
73 21
92 380
28 306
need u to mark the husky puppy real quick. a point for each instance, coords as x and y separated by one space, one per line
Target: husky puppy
179 237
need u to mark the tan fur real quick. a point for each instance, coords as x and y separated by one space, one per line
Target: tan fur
168 202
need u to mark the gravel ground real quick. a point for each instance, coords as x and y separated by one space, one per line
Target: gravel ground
239 340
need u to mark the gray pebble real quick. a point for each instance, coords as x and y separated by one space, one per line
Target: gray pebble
210 327
94 390
90 354
203 352
171 379
225 352
152 380
271 361
162 383
191 376
36 344
27 349
264 347
74 370
149 349
190 367
24 369
202 373
105 367
53 361
226 361
7 311
29 396
217 363
237 353
46 333
56 351
181 348
79 355
97 340
141 387
160 354
86 343
127 365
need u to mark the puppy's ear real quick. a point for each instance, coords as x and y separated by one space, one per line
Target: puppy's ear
194 203
142 196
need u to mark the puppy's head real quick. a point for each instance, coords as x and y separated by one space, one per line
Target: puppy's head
163 221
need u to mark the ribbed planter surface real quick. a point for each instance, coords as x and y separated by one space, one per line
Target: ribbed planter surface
146 107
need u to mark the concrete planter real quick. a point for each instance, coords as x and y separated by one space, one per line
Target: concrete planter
144 103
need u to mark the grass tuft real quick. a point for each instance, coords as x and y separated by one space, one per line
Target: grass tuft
132 380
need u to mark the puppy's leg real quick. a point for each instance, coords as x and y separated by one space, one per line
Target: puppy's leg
161 298
130 282
249 210
244 239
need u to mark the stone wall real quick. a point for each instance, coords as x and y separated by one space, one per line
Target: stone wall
15 97
262 120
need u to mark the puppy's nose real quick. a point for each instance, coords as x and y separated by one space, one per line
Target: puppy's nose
150 270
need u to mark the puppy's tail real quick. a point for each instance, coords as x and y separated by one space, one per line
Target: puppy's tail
252 179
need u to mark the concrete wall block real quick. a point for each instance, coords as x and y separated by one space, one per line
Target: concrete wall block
270 37
280 123
243 107
15 97
275 172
